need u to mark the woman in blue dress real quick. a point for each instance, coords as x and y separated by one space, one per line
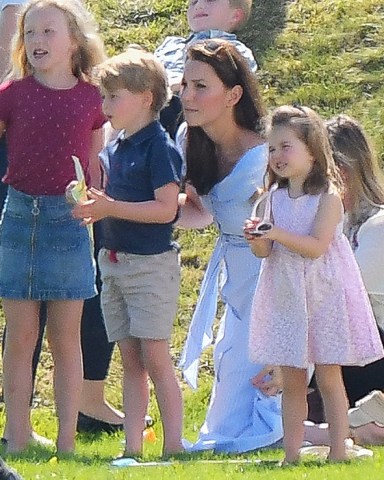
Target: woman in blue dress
226 157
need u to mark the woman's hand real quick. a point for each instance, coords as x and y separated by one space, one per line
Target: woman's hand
269 380
192 212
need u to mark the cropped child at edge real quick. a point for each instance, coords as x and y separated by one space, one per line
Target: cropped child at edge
206 19
44 253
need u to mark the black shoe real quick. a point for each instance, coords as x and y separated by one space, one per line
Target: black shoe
86 424
7 473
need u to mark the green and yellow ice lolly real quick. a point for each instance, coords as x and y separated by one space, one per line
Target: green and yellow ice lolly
78 192
79 188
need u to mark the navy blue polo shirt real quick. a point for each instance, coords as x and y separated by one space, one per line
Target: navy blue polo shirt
136 167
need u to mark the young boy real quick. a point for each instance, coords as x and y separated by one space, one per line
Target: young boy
206 19
138 263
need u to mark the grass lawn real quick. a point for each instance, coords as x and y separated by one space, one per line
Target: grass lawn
93 457
327 55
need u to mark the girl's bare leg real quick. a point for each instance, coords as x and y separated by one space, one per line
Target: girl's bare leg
22 317
331 386
135 394
295 410
63 331
161 370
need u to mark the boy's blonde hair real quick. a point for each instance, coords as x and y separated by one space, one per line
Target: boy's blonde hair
83 29
245 6
138 71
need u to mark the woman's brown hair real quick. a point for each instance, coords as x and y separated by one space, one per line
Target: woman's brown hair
232 69
353 152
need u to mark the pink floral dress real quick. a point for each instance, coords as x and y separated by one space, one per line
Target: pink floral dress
308 310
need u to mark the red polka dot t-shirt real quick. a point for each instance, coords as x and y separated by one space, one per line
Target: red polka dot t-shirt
44 127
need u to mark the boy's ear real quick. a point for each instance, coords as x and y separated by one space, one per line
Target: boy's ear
148 98
234 95
237 18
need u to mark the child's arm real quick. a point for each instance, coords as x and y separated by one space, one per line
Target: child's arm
314 245
192 212
171 54
162 209
97 144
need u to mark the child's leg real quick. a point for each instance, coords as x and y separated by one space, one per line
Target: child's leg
22 318
63 331
294 410
330 382
158 362
135 393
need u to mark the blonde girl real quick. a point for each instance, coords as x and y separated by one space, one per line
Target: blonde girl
310 305
50 111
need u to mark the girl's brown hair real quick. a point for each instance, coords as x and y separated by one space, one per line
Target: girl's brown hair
309 127
232 69
90 48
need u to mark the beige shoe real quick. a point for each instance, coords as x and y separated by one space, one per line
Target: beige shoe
369 409
37 439
322 451
355 451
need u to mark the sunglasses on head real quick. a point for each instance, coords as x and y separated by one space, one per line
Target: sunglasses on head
216 47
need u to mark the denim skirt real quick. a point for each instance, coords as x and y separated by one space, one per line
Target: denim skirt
45 254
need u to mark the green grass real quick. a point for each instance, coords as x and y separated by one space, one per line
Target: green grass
328 55
92 462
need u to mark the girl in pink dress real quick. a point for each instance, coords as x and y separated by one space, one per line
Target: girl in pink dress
310 305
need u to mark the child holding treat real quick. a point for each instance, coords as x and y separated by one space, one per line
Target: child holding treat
44 254
138 262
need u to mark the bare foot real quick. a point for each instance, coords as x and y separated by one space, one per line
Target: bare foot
104 412
338 457
289 462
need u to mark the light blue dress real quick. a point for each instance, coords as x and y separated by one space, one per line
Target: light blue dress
239 417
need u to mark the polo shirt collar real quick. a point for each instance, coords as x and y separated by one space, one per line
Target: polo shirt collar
152 129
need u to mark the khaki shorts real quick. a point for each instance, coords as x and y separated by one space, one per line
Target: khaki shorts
139 294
